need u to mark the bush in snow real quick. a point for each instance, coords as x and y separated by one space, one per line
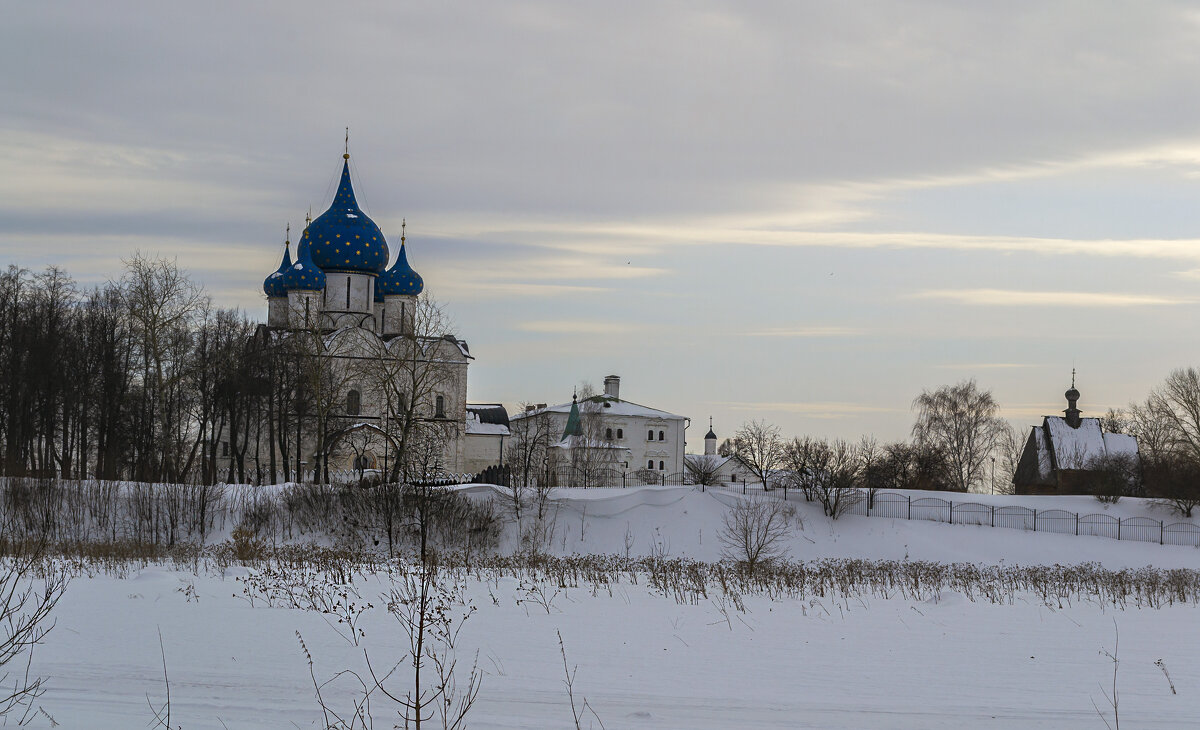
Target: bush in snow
754 532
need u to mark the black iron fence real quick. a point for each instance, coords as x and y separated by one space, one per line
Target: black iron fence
608 477
1059 521
907 507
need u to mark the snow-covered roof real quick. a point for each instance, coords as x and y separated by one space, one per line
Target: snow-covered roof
1120 443
474 427
609 406
1075 448
487 419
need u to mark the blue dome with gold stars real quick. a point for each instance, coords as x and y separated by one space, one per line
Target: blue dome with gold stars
400 279
304 274
343 238
273 286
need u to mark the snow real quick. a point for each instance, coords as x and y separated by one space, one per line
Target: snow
1074 448
487 429
612 407
1119 443
646 661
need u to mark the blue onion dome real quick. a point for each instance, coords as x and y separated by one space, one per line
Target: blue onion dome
273 286
400 279
304 275
343 238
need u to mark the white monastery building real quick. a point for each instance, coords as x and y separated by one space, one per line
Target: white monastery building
606 431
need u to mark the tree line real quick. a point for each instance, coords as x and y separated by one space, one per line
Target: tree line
960 442
140 378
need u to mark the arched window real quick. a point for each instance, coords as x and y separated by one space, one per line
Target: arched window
650 464
620 433
608 434
353 403
661 467
661 437
440 407
347 292
649 435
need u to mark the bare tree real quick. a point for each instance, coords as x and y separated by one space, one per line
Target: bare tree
754 531
704 469
526 455
28 594
1112 476
1153 432
1174 479
432 616
963 422
1007 455
408 373
758 446
593 454
872 468
325 381
362 441
827 472
162 303
1177 404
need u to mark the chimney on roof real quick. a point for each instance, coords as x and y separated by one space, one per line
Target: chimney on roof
612 386
530 409
541 406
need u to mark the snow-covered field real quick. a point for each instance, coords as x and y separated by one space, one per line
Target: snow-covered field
647 661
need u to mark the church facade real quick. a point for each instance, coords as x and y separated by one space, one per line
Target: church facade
373 373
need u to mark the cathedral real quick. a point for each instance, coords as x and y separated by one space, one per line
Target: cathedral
378 377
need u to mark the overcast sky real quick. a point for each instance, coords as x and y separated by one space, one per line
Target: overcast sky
801 212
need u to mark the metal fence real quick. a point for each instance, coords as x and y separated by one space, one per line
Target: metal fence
935 509
1058 521
608 477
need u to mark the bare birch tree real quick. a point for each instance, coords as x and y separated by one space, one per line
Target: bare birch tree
963 422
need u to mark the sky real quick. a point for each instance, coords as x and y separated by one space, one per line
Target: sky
799 212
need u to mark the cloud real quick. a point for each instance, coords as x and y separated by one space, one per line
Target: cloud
816 331
514 290
818 410
582 327
983 366
1016 298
